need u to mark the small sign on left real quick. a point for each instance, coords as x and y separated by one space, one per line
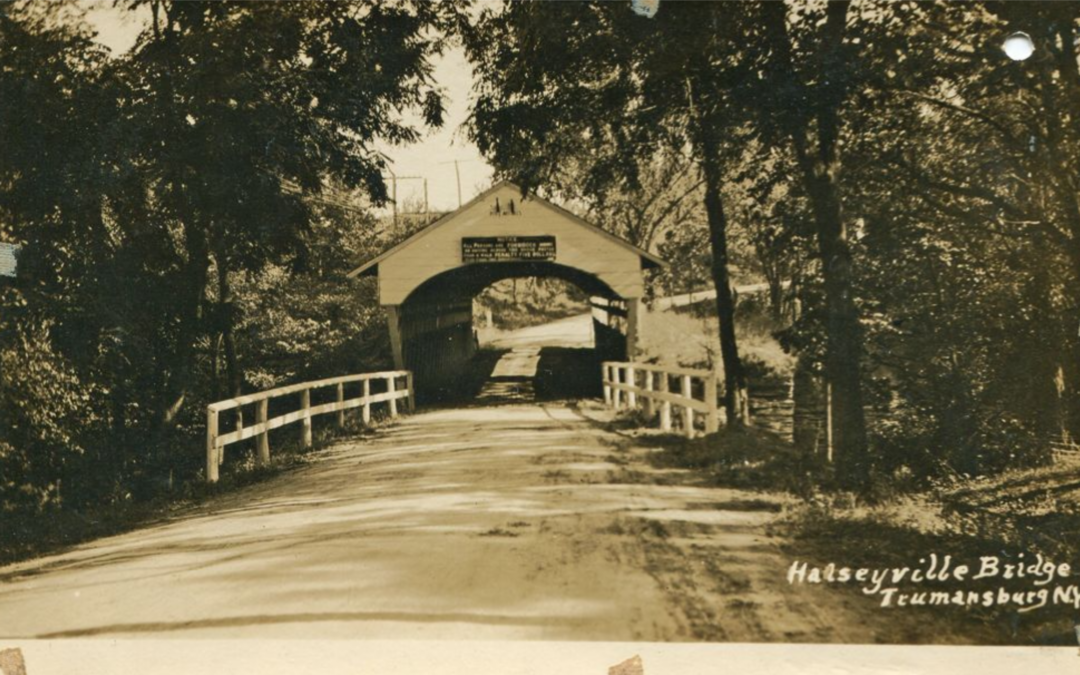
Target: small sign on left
9 259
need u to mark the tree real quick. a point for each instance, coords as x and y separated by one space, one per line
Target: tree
667 195
308 320
147 188
561 81
56 97
1002 152
813 71
774 233
940 164
241 109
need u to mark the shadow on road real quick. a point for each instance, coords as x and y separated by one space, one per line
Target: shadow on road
566 373
533 375
523 375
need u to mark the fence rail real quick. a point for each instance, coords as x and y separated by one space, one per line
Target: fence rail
656 394
1064 448
216 442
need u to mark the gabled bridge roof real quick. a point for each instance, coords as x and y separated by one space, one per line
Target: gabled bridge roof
501 213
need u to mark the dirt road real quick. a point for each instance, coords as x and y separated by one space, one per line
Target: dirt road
496 523
513 520
573 332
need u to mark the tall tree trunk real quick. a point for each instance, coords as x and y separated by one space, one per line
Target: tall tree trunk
1071 368
807 403
227 317
844 346
815 134
215 365
178 384
233 373
736 398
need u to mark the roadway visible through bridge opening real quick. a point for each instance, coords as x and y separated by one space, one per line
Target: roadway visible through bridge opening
552 361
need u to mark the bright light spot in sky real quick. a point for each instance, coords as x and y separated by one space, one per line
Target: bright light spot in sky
646 8
1018 46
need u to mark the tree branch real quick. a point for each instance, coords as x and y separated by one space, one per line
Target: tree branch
983 117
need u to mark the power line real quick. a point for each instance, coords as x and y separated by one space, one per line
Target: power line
294 189
394 178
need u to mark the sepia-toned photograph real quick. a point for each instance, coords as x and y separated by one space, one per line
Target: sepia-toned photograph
646 323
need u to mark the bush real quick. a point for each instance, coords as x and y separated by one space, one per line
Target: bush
746 458
45 411
919 446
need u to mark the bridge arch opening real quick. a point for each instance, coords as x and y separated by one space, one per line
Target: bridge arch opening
428 283
537 341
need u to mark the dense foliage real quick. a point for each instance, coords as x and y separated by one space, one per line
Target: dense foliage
185 209
912 187
188 210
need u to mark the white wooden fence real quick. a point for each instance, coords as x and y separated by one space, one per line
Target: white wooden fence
399 386
1063 447
627 384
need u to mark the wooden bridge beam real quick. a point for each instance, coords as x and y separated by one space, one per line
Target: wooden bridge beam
393 322
633 322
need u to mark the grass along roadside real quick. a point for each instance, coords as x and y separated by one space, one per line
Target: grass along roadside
1010 518
903 534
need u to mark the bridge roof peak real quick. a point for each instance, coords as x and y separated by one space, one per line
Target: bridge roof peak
505 211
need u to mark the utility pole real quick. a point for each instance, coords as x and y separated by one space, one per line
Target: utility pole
394 178
457 172
457 175
393 193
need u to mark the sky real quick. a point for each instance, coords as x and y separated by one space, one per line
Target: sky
432 158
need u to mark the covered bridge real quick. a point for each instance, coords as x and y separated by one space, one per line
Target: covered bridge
427 282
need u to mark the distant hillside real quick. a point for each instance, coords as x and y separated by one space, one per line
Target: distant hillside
529 301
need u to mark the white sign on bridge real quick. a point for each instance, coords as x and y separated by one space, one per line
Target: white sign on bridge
498 249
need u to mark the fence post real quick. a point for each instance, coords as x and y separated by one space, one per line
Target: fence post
221 450
391 387
650 407
828 422
687 411
365 415
631 379
263 439
712 418
341 406
665 406
412 390
305 405
211 445
239 428
616 395
606 375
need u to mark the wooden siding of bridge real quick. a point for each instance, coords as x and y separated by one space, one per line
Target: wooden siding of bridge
580 246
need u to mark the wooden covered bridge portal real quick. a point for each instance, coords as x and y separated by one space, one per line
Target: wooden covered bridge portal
427 282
